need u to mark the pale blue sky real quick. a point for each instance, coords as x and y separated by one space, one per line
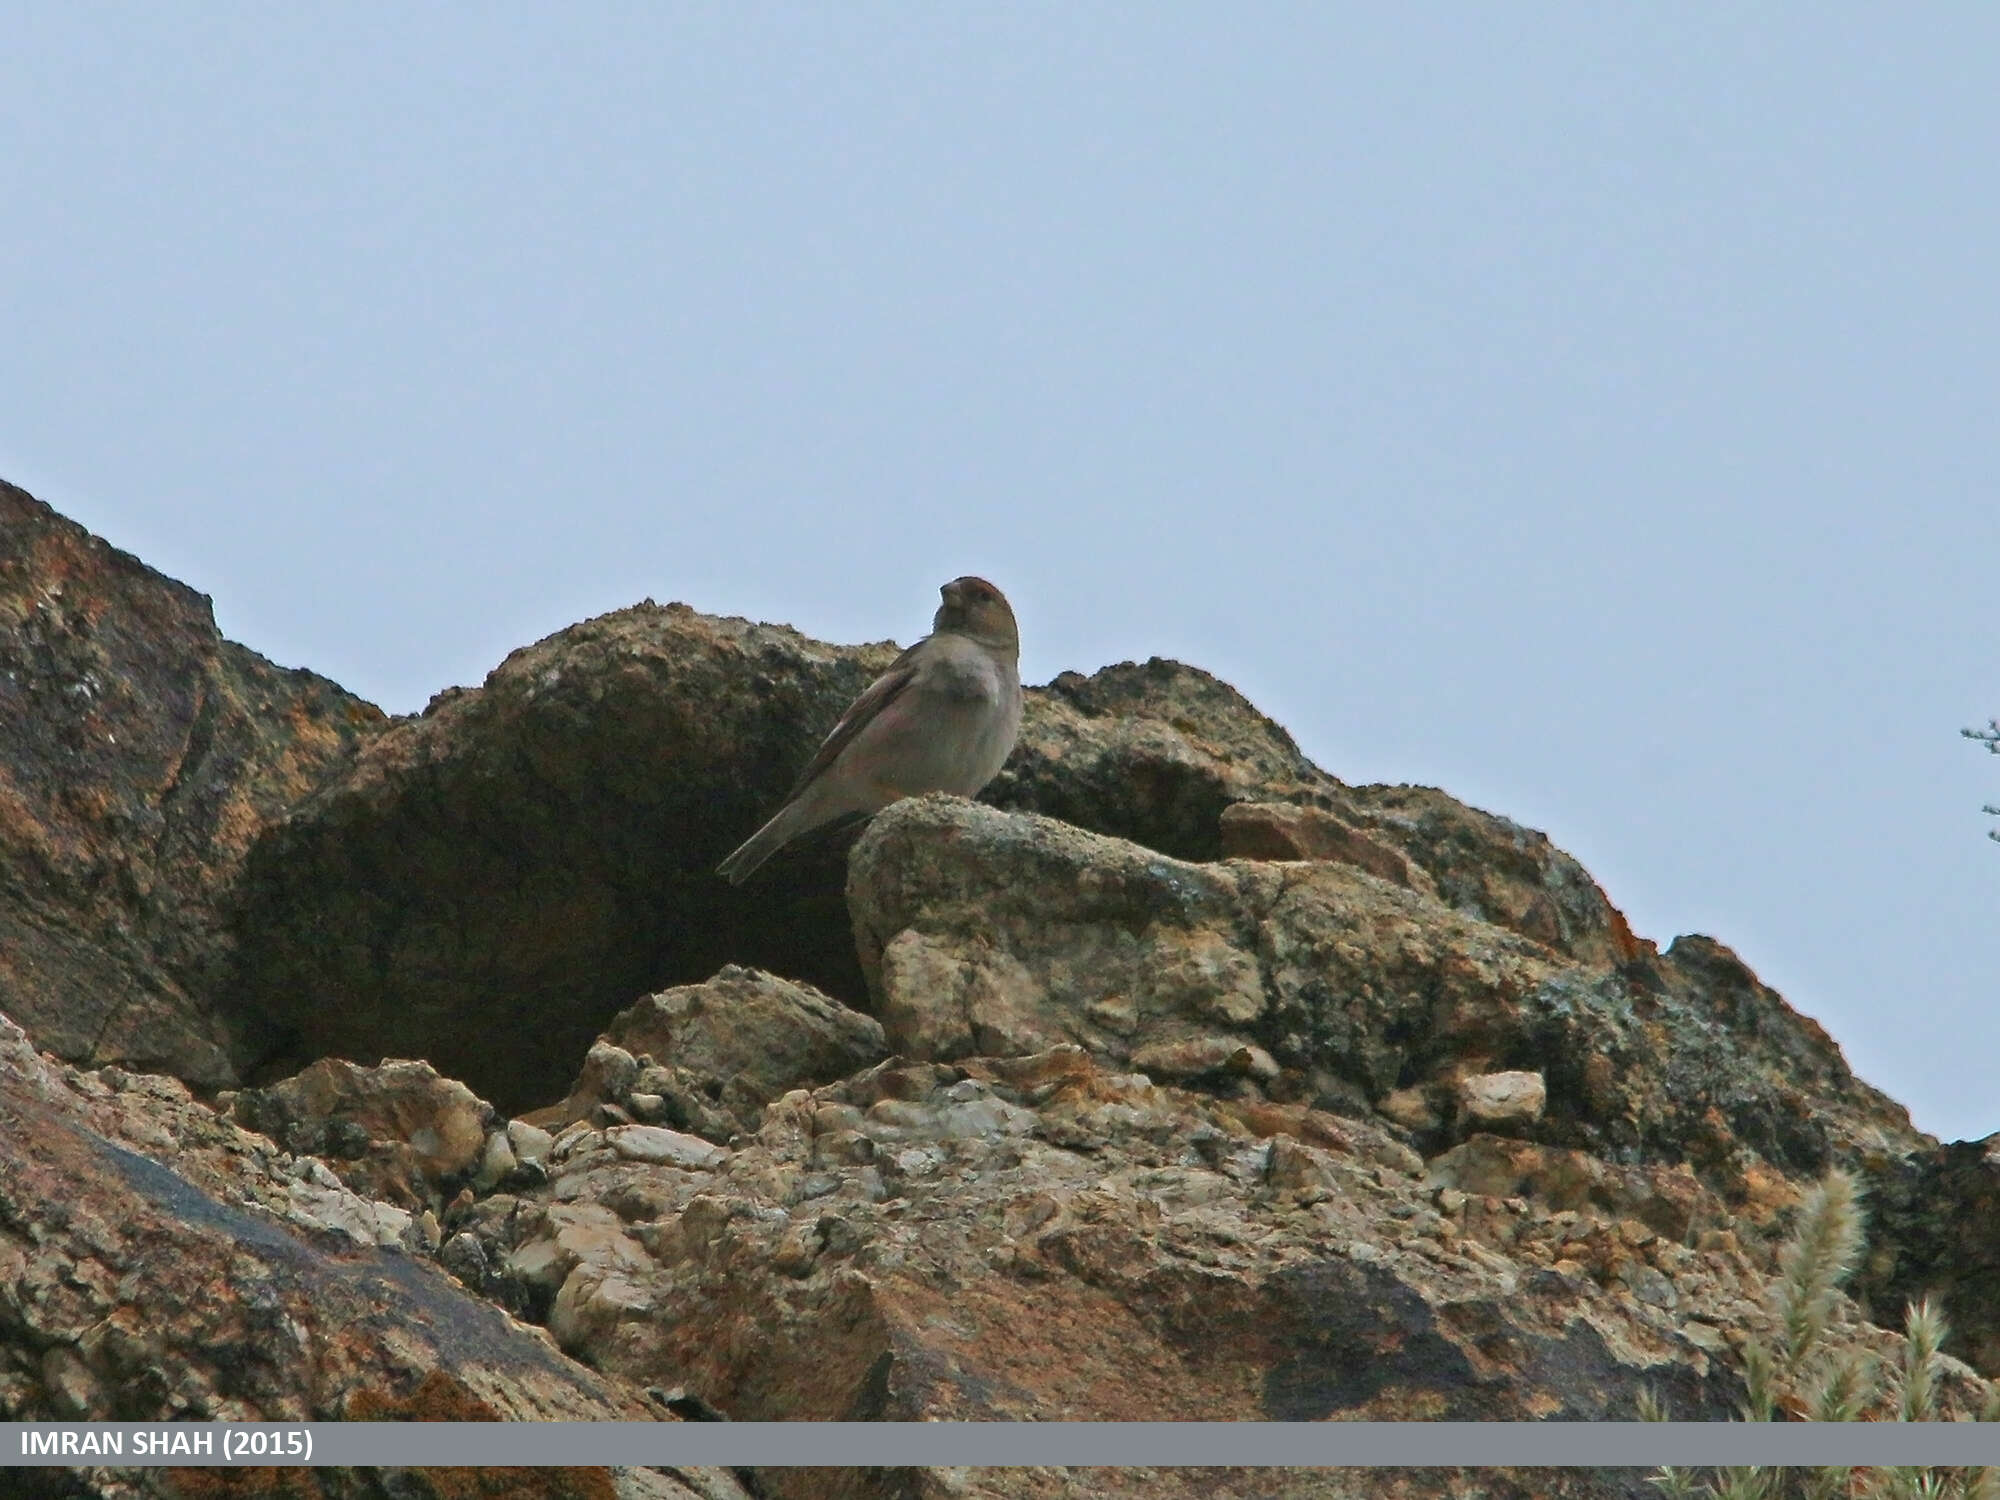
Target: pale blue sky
1589 410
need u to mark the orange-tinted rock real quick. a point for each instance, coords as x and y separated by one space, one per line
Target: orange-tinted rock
1281 830
397 1131
142 756
742 1201
1493 868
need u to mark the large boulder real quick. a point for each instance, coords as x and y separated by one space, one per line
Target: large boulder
143 753
489 883
1169 757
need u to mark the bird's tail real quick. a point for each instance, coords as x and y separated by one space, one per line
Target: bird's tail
787 823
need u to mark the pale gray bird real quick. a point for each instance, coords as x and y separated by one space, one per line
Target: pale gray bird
941 719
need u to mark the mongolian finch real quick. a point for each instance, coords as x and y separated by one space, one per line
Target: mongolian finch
941 719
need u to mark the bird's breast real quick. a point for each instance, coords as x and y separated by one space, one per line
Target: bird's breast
968 675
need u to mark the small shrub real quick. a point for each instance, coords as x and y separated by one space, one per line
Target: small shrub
1799 1379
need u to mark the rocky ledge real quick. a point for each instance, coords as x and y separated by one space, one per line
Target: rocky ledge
370 1067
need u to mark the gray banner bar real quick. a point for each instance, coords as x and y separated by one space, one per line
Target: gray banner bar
1001 1444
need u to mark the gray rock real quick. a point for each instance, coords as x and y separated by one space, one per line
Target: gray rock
1649 1285
653 1143
530 1143
465 1258
609 1072
496 1163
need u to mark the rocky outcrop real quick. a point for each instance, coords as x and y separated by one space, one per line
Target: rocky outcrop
1047 1237
530 855
142 755
1178 1080
1036 1236
996 933
487 884
157 1262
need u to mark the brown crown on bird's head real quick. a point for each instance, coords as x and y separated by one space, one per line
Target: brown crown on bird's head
973 607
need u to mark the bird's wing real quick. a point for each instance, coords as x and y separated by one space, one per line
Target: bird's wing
862 712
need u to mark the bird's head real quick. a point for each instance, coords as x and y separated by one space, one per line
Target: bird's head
973 607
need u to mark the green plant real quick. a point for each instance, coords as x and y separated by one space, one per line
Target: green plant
1797 1376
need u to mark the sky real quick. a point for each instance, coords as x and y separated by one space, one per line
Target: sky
1589 410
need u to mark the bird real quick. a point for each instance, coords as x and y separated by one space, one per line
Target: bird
943 718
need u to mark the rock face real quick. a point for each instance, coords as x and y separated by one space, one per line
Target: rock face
1936 1211
242 1283
1044 1237
486 885
141 756
1177 1080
